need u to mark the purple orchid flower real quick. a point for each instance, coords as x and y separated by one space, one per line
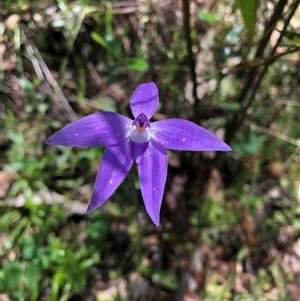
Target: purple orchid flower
138 140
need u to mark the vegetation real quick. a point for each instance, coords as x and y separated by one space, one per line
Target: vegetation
230 223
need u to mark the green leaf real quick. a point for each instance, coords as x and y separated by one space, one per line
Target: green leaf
292 36
235 6
114 209
110 43
29 248
137 64
230 107
100 40
98 229
12 274
242 253
207 17
33 275
253 145
165 279
280 278
248 143
234 34
249 13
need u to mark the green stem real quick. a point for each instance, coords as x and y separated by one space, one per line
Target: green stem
137 248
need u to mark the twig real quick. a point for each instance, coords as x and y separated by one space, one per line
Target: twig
292 157
273 133
192 64
252 81
263 61
294 7
270 26
289 103
70 114
35 63
272 52
261 47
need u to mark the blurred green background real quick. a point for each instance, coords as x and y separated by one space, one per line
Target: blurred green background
230 222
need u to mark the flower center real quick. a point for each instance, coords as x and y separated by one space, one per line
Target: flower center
140 135
141 122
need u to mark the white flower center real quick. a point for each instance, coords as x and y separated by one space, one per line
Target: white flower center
139 137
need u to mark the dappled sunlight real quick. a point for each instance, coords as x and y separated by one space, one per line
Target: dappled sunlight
209 150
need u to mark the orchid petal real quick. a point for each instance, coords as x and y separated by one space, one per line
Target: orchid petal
144 100
153 174
99 129
138 150
115 165
179 134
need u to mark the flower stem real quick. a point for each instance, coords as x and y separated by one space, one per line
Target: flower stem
139 227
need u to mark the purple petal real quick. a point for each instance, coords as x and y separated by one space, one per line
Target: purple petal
115 165
180 134
99 129
153 173
137 150
144 100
